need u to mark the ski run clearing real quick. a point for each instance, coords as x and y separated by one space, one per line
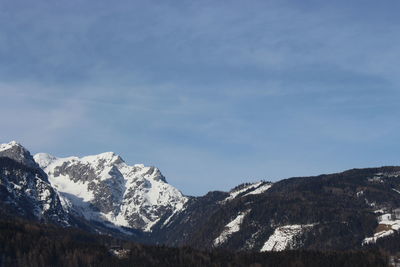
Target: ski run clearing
230 228
256 188
283 237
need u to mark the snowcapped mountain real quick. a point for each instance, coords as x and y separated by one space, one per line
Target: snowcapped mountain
17 152
104 188
101 193
24 187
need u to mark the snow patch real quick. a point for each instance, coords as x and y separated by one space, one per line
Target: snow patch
119 219
283 237
4 147
233 194
379 211
65 185
43 159
230 228
119 252
260 189
397 191
388 224
360 193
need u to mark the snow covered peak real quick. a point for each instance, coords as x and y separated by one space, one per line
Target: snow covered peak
9 145
104 188
27 191
44 159
103 158
17 152
99 161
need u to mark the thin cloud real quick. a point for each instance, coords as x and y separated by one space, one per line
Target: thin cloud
267 88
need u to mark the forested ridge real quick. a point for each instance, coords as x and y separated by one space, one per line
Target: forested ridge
344 209
25 243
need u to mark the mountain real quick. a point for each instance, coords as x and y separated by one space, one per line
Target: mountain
25 189
104 188
342 211
355 209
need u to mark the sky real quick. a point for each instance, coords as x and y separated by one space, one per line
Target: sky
213 93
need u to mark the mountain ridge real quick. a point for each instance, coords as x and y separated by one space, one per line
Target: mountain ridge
130 196
340 211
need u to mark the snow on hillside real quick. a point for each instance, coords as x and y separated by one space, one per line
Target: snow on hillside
8 146
104 188
283 236
29 191
259 190
230 228
17 152
388 224
256 188
234 193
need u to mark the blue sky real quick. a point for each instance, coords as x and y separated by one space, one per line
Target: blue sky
214 93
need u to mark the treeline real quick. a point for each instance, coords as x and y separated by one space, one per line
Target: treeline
25 243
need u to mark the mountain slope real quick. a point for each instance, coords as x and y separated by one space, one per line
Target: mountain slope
104 188
101 193
25 189
337 211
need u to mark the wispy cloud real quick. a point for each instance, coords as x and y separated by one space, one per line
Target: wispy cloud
208 91
37 119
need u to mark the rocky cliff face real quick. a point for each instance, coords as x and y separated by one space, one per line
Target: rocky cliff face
25 189
104 188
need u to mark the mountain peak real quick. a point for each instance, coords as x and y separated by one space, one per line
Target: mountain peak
44 159
103 187
17 152
109 157
9 145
